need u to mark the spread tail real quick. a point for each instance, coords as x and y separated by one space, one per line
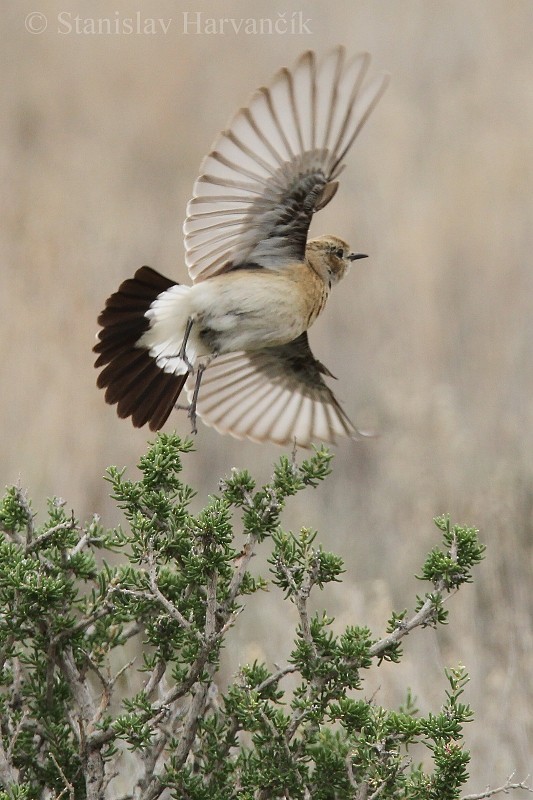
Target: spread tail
143 373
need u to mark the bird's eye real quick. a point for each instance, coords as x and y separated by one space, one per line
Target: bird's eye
339 252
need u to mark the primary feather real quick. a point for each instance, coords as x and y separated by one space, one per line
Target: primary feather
276 164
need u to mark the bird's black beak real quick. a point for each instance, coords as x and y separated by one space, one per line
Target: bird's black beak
354 256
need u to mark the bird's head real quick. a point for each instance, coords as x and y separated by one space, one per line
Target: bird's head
330 257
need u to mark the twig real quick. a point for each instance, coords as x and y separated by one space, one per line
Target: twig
378 791
149 783
274 733
107 685
301 596
420 618
160 707
275 677
156 677
93 762
241 568
109 776
190 725
199 701
235 725
249 547
78 687
9 642
158 594
198 705
211 606
364 786
224 747
362 792
349 770
83 623
83 542
69 524
8 774
17 680
507 787
68 786
131 630
24 504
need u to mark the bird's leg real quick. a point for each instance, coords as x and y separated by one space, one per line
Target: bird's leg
194 399
183 349
183 355
191 408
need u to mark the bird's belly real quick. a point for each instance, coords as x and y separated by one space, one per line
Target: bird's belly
248 312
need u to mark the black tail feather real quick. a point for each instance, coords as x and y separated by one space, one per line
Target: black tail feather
131 376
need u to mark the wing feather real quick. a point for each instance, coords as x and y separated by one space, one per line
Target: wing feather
275 394
274 165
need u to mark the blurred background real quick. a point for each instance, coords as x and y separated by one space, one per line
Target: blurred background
431 337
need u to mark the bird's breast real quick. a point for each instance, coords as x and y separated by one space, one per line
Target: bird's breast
248 310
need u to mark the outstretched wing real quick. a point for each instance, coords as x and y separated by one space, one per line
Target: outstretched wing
276 394
276 164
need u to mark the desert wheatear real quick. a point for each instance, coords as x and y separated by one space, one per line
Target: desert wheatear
237 338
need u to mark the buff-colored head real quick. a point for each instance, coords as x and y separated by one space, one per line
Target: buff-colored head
330 257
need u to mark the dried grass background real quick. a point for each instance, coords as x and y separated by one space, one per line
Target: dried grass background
431 337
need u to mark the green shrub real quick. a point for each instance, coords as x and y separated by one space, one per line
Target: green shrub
69 617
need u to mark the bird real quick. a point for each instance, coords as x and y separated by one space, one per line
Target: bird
236 340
